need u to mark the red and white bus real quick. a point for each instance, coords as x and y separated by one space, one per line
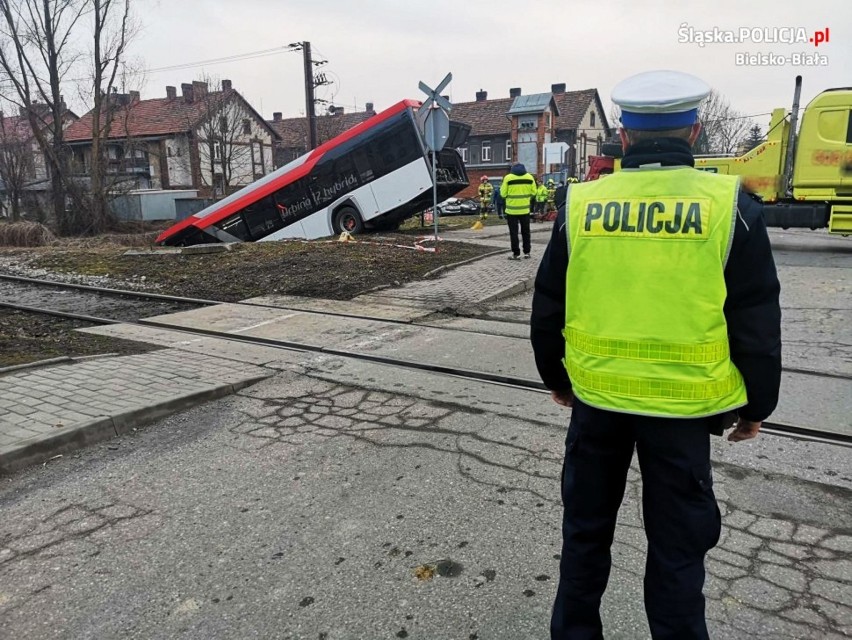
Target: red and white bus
374 175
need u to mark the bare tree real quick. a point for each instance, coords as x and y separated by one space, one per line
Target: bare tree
112 29
723 128
35 56
16 162
224 131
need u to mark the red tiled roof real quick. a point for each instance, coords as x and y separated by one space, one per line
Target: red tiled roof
294 131
489 116
485 118
154 117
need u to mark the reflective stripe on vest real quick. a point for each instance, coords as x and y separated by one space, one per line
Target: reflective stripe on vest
645 329
519 190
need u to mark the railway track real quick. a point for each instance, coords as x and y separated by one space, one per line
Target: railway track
177 303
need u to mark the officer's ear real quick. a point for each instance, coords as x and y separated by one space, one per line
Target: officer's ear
625 142
693 135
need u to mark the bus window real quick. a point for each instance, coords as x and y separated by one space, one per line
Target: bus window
363 166
395 148
235 226
263 217
293 201
331 178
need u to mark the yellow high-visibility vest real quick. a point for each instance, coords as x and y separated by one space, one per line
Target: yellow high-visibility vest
645 330
517 191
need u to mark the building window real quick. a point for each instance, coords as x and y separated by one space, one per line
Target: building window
169 151
486 151
508 150
463 152
246 126
592 119
217 150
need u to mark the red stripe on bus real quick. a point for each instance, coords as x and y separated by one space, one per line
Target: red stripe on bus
298 172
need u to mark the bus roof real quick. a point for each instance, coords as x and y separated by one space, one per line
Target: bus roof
272 182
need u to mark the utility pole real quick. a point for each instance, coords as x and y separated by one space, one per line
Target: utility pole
310 104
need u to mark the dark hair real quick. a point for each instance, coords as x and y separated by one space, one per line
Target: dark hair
635 135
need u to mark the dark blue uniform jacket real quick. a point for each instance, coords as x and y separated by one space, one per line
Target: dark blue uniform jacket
752 309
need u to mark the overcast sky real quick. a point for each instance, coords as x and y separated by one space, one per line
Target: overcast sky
378 50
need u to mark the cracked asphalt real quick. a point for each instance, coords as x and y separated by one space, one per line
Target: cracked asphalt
308 508
410 505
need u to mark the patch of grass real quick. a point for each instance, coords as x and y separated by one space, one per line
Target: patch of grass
338 270
448 223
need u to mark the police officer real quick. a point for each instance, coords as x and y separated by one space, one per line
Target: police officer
499 204
485 191
668 318
518 190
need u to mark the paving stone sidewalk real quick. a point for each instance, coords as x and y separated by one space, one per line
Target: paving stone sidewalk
47 411
477 282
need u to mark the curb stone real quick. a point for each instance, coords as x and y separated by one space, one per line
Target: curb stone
40 448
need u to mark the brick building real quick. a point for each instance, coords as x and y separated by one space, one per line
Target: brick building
212 141
503 128
293 132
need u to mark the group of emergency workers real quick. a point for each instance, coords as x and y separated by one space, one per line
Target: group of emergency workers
542 201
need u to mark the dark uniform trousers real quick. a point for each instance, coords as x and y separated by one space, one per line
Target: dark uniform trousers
681 517
522 221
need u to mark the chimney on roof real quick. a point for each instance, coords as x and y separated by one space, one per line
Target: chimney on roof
186 90
171 93
226 85
481 96
134 96
199 89
557 88
276 117
514 92
369 108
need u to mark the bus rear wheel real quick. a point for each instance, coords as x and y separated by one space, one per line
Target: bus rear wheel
348 219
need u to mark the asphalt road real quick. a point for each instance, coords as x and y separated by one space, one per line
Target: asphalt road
343 500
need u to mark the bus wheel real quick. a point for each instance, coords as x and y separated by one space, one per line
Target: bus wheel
347 219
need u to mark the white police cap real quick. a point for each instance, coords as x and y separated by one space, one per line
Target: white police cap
659 99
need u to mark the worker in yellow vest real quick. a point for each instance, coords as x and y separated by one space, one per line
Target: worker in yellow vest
518 189
485 192
661 329
540 198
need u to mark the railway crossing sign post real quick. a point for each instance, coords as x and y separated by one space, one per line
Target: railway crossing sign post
435 119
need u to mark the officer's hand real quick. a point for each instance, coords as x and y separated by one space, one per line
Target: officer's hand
744 430
564 398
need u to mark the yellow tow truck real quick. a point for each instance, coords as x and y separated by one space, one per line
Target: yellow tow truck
805 180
